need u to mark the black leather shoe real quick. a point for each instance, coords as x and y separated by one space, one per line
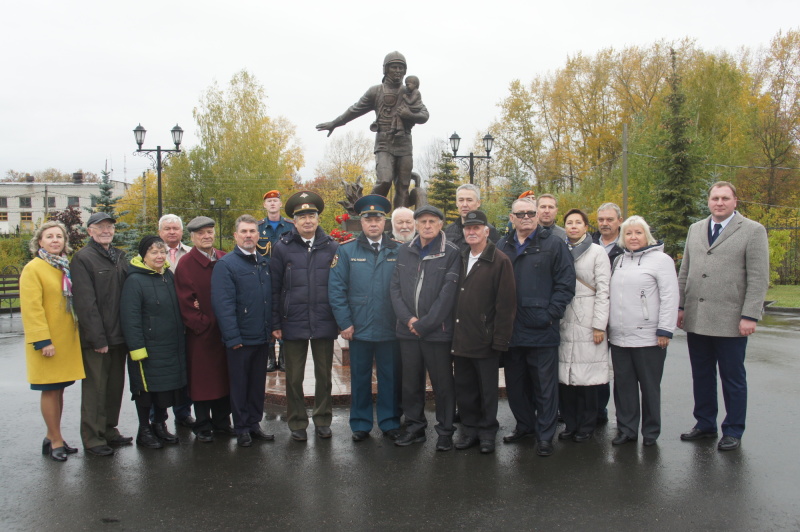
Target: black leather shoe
324 432
648 442
68 449
146 438
360 435
581 437
271 365
59 454
729 443
205 436
444 443
697 434
515 435
466 442
120 441
544 448
281 360
187 422
299 435
225 430
100 450
161 432
392 434
487 446
566 434
259 434
622 439
244 440
407 438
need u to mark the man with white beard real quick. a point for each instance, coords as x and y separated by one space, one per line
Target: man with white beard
403 224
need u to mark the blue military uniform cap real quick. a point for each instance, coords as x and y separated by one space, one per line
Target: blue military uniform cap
302 202
372 205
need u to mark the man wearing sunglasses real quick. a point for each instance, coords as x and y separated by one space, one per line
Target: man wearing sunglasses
545 278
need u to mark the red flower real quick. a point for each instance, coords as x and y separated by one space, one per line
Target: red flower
342 218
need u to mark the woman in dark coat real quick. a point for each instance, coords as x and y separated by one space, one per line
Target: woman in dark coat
154 332
207 363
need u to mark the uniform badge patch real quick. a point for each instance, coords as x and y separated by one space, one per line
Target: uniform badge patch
335 261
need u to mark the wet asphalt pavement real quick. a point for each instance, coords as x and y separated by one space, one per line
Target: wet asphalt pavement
337 484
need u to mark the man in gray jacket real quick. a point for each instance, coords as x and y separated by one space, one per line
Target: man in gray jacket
98 273
723 280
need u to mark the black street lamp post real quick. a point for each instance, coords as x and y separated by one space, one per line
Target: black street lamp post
455 141
219 210
177 137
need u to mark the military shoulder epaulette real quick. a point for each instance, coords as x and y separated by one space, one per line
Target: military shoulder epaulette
288 220
348 241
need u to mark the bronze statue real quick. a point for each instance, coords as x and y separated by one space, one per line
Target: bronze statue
390 100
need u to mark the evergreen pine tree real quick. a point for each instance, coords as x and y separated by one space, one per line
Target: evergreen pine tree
442 188
125 236
676 193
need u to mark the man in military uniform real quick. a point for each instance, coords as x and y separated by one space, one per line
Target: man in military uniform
358 290
300 267
393 156
272 226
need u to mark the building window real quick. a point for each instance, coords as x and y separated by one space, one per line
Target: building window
73 201
3 216
4 202
25 202
51 202
26 216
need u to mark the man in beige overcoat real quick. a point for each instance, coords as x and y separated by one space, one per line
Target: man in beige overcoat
723 281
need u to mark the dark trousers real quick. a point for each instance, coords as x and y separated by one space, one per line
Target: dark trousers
386 356
638 369
147 413
101 394
532 388
214 414
296 354
603 396
181 412
476 381
579 407
247 371
706 353
418 356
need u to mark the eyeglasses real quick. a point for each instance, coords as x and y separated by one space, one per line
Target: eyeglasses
526 214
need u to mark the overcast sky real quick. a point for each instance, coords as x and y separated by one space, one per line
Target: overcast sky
78 76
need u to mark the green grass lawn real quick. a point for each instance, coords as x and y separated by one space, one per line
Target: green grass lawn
784 295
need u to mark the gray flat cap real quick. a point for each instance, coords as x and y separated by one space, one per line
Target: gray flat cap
428 209
99 217
199 223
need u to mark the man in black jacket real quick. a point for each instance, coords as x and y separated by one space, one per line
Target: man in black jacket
423 294
609 218
545 280
241 294
98 273
301 312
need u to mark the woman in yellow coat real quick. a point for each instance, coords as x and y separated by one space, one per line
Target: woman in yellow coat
52 345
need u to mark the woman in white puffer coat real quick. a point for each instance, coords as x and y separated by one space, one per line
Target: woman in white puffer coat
583 362
644 311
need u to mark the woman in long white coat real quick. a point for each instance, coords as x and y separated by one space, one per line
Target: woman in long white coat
583 354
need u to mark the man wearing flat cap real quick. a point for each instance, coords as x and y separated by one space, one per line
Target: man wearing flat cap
301 313
359 294
270 228
423 294
98 273
207 364
487 304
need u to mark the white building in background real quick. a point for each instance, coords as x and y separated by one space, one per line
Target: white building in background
23 205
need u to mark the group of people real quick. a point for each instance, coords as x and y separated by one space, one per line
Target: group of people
564 312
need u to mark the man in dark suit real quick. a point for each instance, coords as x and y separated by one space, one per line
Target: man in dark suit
723 281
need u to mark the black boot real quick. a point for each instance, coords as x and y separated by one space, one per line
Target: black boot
161 432
146 438
281 359
271 366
